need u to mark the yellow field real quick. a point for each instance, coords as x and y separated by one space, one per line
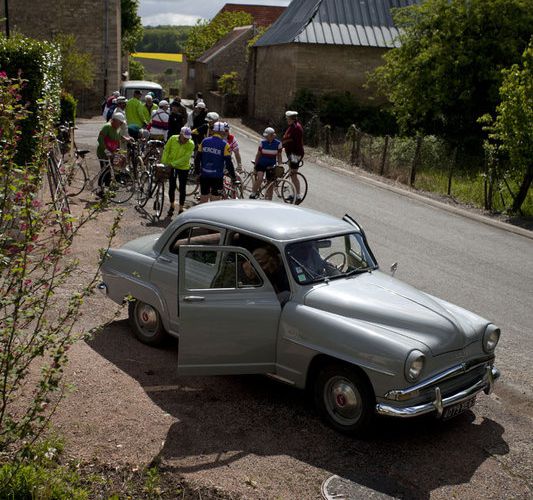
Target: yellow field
160 56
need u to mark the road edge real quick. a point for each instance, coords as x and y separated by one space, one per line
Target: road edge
504 226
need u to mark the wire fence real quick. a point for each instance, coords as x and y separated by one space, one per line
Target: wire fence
423 162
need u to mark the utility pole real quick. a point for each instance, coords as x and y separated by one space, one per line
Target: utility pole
6 10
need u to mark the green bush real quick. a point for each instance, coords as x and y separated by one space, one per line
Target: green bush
136 70
228 83
341 109
68 108
41 476
39 64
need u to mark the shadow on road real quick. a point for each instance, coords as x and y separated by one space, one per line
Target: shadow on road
222 419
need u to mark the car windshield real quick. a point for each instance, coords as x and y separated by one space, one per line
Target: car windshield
327 258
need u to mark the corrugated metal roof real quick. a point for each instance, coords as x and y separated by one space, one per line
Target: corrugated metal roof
337 22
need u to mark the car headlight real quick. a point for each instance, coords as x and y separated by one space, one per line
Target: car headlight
491 338
414 365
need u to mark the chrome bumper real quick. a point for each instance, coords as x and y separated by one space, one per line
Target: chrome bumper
439 403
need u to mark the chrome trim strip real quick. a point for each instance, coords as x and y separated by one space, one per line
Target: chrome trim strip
413 391
439 403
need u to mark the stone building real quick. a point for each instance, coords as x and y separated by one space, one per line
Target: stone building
230 53
322 46
95 24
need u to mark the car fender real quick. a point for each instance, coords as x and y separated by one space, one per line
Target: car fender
306 332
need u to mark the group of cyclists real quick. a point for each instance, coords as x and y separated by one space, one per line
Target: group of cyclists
199 137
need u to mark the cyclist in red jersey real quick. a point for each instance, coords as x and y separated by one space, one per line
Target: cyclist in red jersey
293 142
233 145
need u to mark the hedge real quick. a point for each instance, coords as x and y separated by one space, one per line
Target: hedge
68 108
39 64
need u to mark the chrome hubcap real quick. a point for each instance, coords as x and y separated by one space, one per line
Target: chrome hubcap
343 401
147 319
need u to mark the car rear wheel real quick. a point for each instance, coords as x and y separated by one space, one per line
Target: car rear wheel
146 323
344 398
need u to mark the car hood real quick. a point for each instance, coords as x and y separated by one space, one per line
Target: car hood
143 245
403 310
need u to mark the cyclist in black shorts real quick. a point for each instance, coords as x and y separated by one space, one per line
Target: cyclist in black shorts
215 156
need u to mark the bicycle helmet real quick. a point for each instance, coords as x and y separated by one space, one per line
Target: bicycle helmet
218 127
212 117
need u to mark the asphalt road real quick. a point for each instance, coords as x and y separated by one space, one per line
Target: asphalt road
252 436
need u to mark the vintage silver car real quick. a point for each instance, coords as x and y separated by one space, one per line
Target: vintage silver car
259 287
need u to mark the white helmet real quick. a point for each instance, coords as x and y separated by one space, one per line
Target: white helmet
218 127
212 117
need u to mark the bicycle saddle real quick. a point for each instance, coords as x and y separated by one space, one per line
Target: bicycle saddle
155 143
82 152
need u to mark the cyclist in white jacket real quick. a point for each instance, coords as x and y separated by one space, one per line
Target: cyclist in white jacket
159 123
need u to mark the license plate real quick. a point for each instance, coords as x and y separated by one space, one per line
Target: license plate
454 410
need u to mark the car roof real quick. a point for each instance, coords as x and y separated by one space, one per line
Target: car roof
276 221
145 84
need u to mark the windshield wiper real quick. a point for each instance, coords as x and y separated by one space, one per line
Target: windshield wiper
359 270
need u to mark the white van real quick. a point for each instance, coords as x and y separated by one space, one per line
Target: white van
127 88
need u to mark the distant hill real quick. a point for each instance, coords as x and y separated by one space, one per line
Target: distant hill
168 39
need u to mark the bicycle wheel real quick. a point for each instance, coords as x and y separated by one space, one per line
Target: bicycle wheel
75 178
193 183
122 187
232 191
159 199
303 186
247 179
285 191
144 189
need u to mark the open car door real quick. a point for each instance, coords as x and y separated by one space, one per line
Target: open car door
228 313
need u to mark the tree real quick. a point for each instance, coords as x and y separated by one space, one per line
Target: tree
132 30
77 67
136 70
166 39
206 33
448 69
512 129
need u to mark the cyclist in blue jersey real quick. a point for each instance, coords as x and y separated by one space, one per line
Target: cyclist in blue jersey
215 156
268 155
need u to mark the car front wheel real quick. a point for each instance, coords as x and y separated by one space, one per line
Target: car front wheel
146 323
344 398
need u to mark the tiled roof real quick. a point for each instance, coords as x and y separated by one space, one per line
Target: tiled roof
337 22
264 15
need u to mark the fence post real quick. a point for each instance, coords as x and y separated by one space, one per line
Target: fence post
452 168
358 137
384 156
416 160
350 137
327 139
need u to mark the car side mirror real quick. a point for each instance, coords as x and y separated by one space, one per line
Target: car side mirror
393 269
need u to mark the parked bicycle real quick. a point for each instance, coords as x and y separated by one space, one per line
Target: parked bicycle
118 184
152 185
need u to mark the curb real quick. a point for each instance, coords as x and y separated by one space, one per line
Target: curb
504 226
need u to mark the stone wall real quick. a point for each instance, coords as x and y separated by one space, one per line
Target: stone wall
96 25
281 70
272 81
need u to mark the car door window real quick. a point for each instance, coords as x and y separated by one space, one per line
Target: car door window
195 235
216 269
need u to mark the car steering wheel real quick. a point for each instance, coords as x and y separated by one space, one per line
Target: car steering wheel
341 266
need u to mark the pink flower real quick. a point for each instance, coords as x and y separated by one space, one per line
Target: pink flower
36 203
3 74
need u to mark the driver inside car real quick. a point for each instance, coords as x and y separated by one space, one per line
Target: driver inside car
306 259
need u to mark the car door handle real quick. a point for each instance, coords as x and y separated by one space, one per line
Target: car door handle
165 260
193 298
